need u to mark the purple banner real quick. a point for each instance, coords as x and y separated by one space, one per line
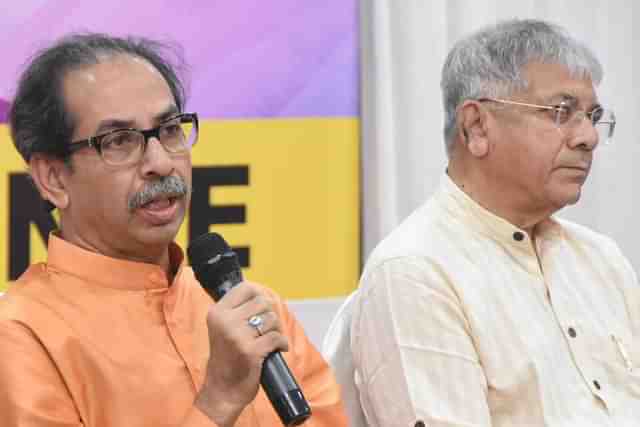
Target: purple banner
248 58
4 108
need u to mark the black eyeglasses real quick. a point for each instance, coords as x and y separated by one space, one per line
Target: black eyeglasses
126 146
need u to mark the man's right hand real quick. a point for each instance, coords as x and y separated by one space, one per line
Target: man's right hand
238 351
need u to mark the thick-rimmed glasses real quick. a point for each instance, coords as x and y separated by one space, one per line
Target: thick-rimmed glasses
120 147
566 115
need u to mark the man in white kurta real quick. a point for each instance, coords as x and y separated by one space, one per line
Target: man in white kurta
483 308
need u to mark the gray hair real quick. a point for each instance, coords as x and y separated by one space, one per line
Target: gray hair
489 63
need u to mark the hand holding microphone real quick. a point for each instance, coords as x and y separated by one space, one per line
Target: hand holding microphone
246 340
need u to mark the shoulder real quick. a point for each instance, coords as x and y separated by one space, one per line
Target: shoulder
419 234
589 241
584 235
426 247
24 313
25 294
601 252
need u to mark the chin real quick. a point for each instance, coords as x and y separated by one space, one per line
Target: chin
573 201
166 232
568 198
561 194
159 235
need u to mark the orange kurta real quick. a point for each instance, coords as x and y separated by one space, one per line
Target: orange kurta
92 341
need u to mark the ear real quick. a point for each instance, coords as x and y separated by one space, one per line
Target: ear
472 120
49 175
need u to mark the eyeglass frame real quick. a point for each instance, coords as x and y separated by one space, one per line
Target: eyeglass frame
95 141
563 105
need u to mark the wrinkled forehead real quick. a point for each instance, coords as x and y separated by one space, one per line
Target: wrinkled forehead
552 83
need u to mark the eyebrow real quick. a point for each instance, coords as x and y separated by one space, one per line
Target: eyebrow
113 124
167 114
556 99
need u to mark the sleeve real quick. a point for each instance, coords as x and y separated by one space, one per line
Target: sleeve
413 350
32 392
631 292
313 374
630 289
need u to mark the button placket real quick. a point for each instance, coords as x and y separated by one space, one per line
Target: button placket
583 361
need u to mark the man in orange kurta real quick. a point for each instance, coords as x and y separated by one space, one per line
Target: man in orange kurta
114 330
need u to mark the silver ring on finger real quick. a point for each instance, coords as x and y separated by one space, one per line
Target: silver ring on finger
256 322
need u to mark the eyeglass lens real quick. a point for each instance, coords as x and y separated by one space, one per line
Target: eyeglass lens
127 146
603 120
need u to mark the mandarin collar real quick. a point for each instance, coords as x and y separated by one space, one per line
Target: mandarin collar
492 225
110 272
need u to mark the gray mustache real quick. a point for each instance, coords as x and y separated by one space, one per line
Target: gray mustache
167 186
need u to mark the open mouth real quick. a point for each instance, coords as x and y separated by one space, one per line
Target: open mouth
159 211
159 204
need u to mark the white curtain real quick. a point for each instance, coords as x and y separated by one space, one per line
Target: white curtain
404 43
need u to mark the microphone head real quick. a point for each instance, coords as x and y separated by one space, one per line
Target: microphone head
214 264
206 247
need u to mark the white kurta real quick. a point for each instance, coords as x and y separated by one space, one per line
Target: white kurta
457 322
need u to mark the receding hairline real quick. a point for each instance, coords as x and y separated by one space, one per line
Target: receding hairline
85 72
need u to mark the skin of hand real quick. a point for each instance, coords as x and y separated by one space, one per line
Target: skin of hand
238 351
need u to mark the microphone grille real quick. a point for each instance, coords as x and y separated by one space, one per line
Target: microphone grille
206 247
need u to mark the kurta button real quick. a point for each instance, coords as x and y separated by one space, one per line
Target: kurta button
572 333
596 384
518 236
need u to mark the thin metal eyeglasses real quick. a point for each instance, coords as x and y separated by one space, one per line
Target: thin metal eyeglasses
120 147
567 115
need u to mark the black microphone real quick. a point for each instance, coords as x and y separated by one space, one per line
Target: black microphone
217 269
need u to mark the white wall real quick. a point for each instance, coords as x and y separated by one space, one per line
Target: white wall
315 316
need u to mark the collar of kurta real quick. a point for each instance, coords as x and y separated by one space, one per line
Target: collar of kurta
491 225
67 258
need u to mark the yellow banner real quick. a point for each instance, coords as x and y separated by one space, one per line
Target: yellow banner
284 193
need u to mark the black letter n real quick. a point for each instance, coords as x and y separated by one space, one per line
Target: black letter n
26 206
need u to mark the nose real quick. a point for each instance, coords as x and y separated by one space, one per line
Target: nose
584 135
155 160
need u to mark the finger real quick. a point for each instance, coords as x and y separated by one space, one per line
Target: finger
256 305
238 295
270 322
270 342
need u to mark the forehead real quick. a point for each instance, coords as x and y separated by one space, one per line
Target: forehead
122 87
553 82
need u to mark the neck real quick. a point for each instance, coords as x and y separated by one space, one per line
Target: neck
145 253
492 196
